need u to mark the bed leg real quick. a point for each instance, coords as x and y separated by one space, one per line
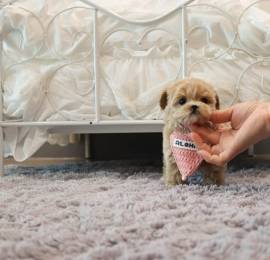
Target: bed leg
86 146
251 151
1 152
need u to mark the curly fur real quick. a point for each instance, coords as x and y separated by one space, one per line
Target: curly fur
184 103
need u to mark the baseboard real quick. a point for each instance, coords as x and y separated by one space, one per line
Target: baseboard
43 161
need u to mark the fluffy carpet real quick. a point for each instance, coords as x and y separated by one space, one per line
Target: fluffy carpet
121 210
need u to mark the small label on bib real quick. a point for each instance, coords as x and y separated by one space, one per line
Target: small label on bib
185 154
184 144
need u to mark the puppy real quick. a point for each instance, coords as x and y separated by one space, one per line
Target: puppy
184 103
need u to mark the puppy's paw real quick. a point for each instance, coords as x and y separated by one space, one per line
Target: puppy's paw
171 182
214 179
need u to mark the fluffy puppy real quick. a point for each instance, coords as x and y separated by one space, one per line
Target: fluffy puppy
184 103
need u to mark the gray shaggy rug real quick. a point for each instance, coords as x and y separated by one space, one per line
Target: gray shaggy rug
121 210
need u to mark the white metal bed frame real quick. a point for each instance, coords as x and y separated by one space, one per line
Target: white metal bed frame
116 126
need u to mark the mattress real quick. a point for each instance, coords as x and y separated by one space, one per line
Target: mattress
48 59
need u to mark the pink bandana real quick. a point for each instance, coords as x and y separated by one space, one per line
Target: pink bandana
185 155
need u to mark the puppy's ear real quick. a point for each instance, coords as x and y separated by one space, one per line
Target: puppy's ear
217 102
163 100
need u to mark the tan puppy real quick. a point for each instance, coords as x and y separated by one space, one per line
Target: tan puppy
184 103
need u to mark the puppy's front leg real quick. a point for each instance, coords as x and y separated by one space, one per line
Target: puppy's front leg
172 175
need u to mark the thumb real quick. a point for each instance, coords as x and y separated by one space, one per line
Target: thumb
221 116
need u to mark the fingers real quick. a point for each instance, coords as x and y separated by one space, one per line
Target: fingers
201 145
207 151
222 116
218 160
209 135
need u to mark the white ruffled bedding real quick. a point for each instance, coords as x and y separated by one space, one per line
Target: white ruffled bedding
48 79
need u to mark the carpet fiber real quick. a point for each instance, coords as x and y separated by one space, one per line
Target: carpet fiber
121 210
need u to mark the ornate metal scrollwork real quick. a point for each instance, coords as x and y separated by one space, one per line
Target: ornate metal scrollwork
199 53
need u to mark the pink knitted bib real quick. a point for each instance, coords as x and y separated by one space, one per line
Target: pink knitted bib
185 154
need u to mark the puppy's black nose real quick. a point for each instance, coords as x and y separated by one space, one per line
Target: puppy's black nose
194 108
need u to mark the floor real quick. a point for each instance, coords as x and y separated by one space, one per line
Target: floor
122 210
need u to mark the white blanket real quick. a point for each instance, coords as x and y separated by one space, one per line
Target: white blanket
48 78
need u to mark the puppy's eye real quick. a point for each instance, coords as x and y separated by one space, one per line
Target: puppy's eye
182 101
205 100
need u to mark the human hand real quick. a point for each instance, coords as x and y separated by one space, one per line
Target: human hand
249 124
